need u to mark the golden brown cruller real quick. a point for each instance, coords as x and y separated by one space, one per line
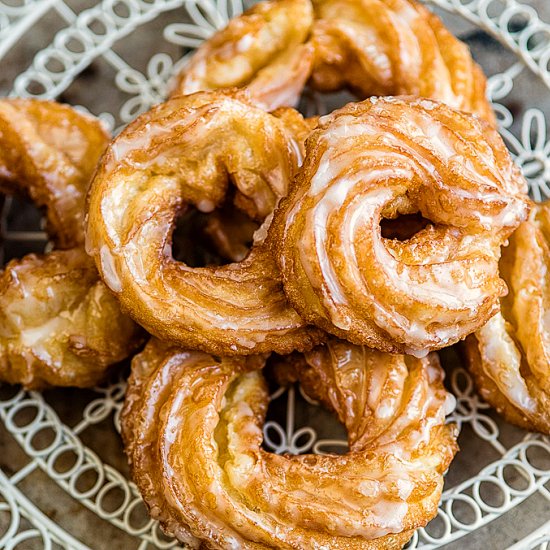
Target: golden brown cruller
510 356
381 159
371 47
192 428
196 151
59 324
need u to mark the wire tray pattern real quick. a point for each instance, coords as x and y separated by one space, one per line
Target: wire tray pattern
520 467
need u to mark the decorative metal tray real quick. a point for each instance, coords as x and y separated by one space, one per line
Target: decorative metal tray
63 477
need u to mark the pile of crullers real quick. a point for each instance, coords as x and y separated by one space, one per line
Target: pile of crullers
341 252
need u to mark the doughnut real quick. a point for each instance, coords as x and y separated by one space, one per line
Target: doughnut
192 429
185 153
394 47
59 324
371 47
381 159
263 49
509 357
48 154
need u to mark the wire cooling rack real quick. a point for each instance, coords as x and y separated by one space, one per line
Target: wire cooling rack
63 478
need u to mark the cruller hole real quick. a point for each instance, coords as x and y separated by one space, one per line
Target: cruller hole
403 227
212 239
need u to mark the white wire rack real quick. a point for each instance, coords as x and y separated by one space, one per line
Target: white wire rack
64 482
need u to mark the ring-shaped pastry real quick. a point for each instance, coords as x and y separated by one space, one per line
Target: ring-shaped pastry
186 152
263 49
372 47
59 324
384 158
192 427
49 152
510 356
